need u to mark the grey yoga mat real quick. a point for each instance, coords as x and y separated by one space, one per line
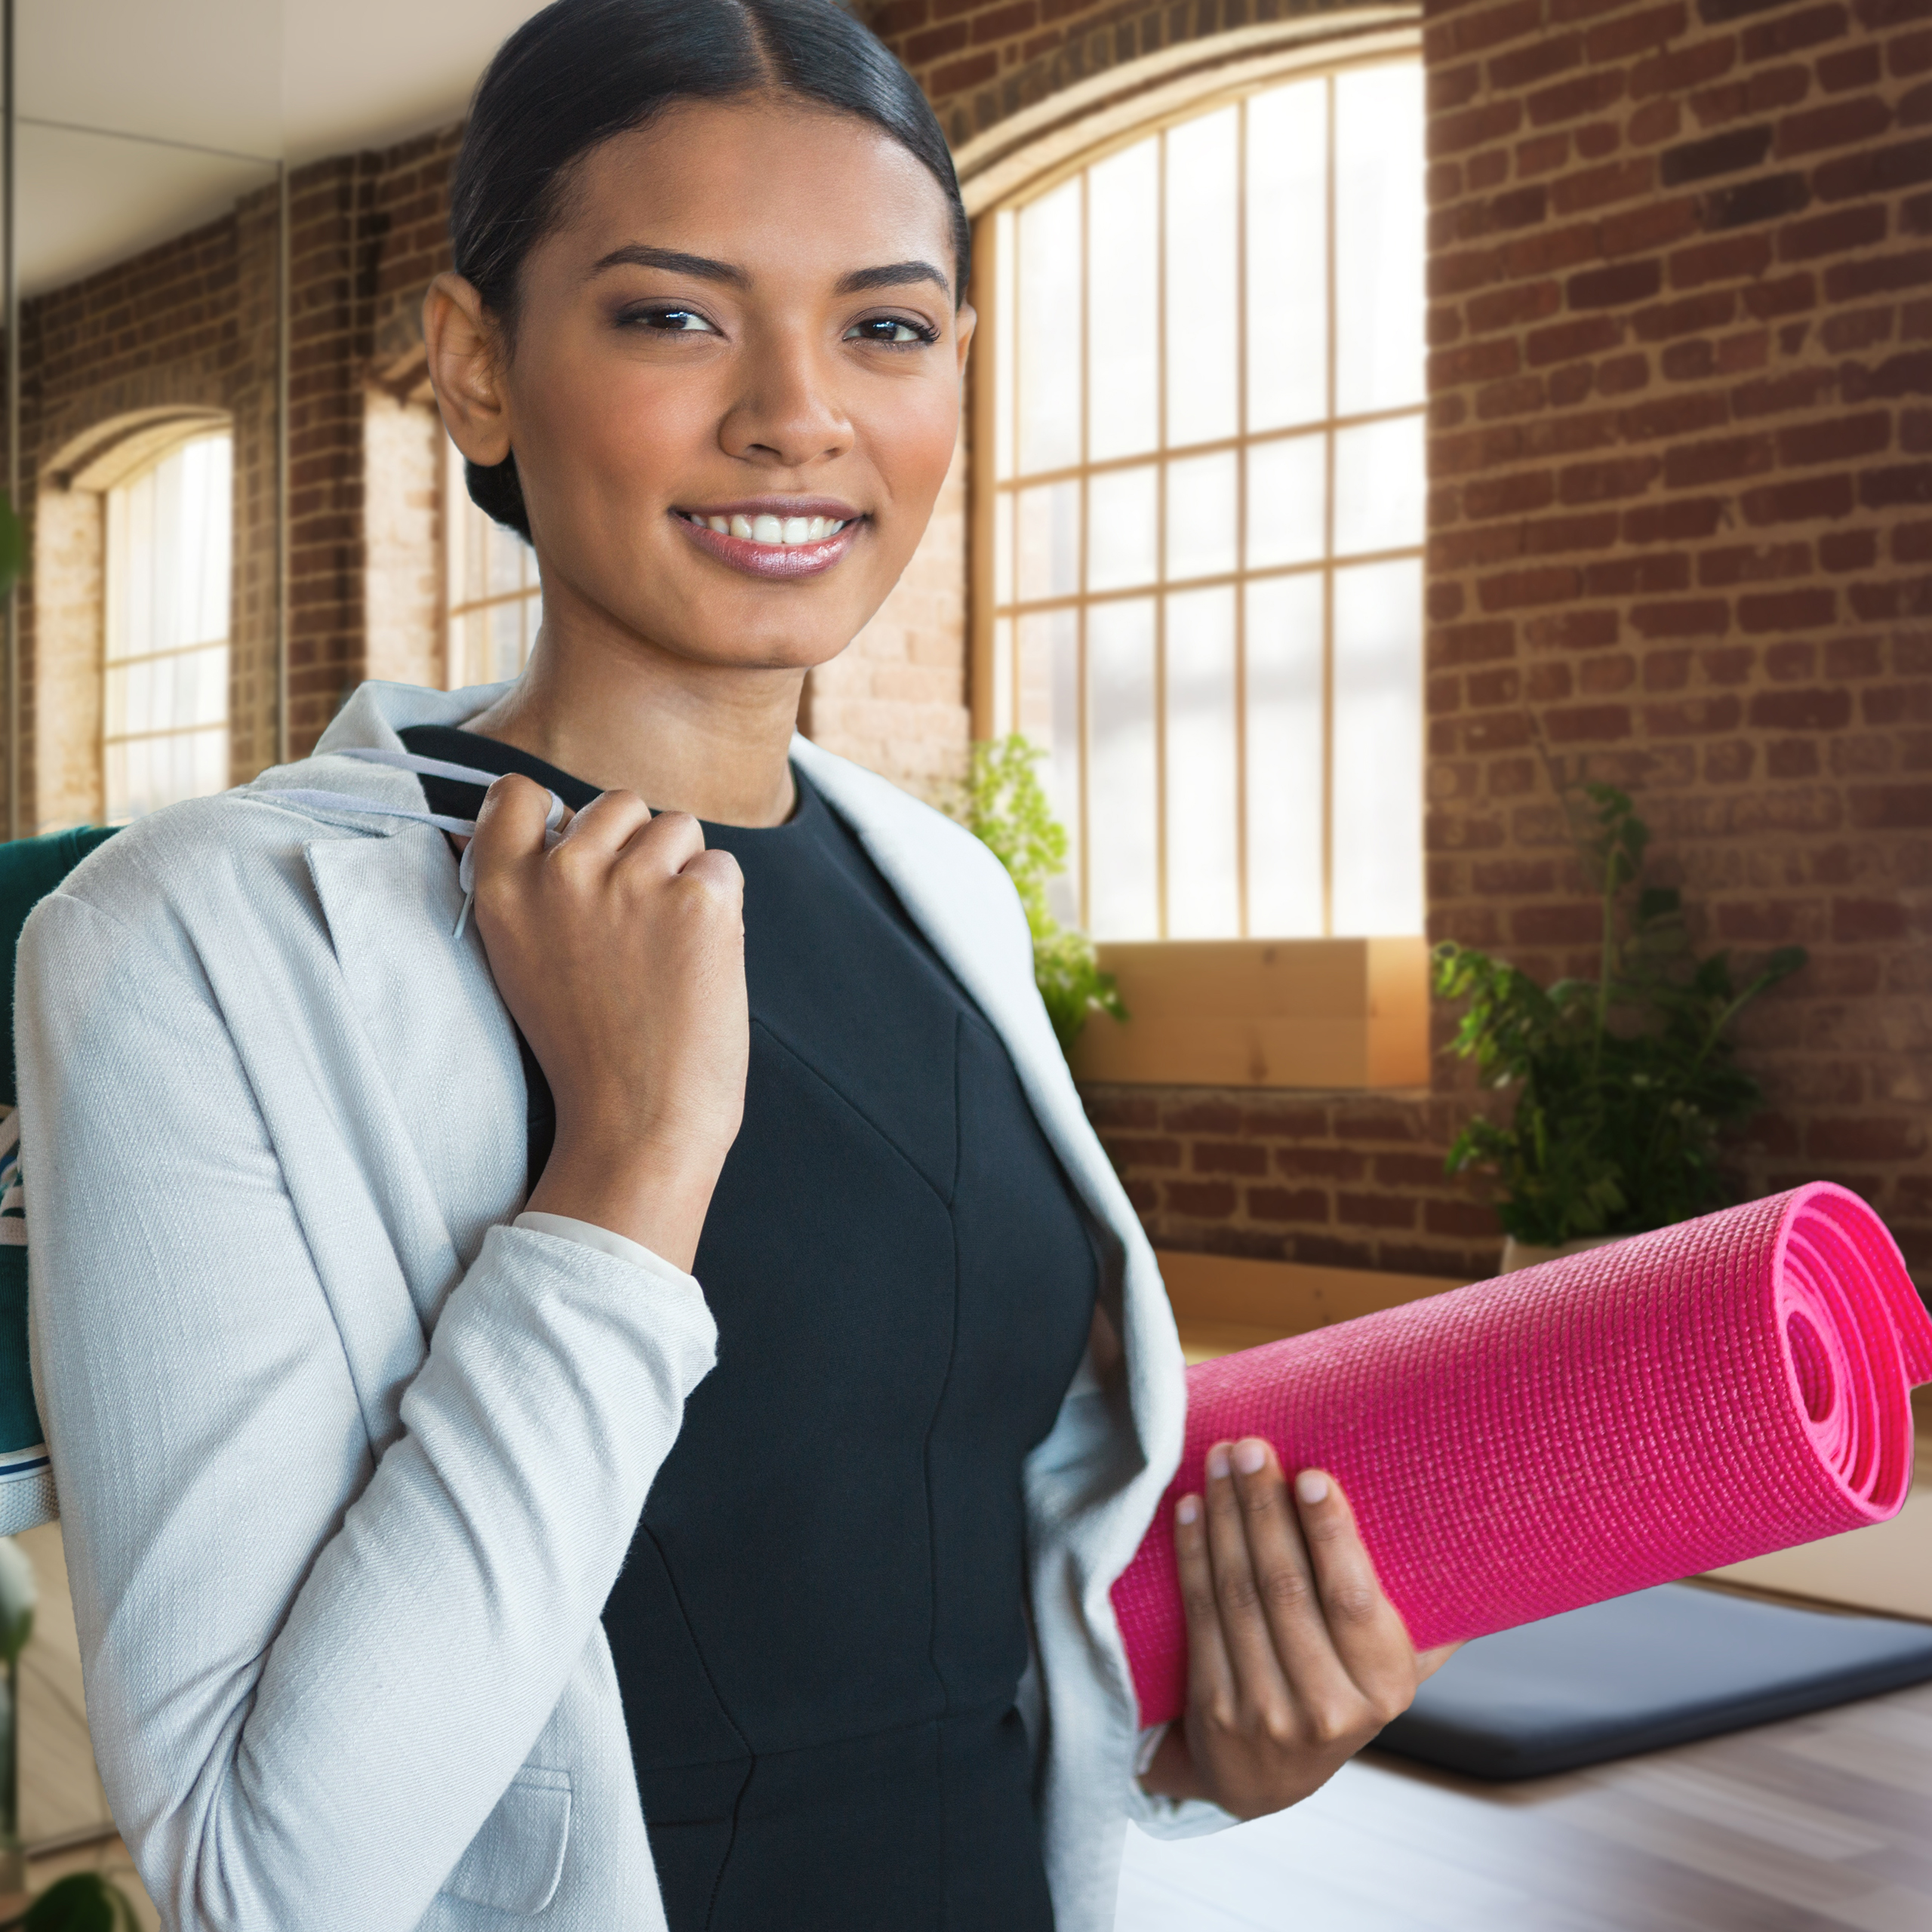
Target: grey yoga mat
1662 1667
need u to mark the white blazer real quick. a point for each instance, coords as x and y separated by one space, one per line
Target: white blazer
348 1462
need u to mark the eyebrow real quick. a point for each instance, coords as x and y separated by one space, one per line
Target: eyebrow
638 256
892 274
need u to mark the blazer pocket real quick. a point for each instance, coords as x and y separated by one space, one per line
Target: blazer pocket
513 1864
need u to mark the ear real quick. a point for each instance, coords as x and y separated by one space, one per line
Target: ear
965 320
464 346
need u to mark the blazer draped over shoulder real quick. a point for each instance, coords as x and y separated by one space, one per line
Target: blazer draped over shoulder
348 1462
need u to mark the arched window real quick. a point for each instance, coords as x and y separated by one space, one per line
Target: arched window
164 676
1205 505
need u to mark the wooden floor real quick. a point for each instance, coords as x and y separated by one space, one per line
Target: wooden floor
1823 1822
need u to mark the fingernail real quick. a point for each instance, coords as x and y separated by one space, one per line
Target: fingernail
1249 1457
1217 1462
1311 1486
1187 1510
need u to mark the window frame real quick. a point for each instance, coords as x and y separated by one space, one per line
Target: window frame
461 515
1013 186
142 455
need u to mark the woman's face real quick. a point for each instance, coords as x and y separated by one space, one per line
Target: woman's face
734 389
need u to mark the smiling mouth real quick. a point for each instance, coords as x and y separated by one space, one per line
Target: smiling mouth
764 545
790 531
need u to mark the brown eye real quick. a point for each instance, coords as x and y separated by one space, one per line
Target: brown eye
893 330
669 321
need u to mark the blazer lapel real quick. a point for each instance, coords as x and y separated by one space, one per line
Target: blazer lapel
440 1041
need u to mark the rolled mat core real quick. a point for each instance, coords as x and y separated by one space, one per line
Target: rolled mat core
1583 1428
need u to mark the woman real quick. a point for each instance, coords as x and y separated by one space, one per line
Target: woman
543 1429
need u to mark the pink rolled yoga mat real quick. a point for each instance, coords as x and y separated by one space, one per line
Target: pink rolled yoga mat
1587 1427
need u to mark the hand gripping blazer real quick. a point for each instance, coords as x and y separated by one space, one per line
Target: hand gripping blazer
348 1462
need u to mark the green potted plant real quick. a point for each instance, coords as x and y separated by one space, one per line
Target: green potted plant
1622 1084
1003 804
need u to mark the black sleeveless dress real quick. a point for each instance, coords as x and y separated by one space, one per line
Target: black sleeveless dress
821 1625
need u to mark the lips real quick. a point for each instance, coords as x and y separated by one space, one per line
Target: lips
774 538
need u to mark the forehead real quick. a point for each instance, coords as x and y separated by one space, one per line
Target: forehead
773 186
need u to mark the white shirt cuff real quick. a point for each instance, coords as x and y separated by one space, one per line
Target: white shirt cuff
588 1234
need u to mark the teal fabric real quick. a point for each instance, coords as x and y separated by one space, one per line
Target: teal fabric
30 869
20 1421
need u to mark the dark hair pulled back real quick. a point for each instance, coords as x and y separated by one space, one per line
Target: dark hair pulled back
582 71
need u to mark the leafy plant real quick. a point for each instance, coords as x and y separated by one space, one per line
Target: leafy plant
83 1902
1005 806
1623 1083
12 544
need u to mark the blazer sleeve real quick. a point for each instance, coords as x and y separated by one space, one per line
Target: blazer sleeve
278 1676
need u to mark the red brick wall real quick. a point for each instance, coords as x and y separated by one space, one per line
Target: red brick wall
1682 273
1340 1181
368 232
1681 269
980 60
192 321
170 327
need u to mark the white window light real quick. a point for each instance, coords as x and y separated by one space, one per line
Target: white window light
1207 502
165 708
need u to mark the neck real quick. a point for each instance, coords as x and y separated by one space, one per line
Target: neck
624 714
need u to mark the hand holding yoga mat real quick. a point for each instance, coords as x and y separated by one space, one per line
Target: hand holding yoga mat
1583 1428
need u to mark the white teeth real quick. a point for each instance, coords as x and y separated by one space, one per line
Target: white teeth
790 529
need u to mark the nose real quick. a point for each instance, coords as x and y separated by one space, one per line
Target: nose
788 415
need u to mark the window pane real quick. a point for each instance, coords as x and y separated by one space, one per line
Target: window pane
1203 898
1121 529
1287 488
164 702
1380 486
1287 256
1201 516
1050 716
1123 885
1285 757
1123 317
1379 238
1378 749
1281 732
1201 279
1049 541
505 551
1005 345
1049 330
191 688
193 492
143 774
